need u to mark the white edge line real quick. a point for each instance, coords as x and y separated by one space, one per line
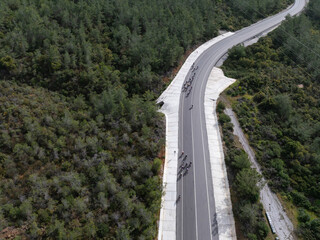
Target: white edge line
194 180
201 104
182 173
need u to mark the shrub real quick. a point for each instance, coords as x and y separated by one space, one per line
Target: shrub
220 107
224 118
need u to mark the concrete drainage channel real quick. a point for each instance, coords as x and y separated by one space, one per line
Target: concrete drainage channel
170 107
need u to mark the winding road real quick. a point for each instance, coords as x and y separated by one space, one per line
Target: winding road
195 211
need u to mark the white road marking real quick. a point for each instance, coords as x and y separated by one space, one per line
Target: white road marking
182 174
204 160
194 179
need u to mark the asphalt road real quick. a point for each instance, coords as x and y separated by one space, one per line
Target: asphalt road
196 217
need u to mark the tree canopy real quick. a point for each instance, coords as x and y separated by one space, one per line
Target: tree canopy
277 102
80 135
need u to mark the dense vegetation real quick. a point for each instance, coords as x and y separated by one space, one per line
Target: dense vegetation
79 131
245 183
70 170
277 100
82 46
247 11
76 47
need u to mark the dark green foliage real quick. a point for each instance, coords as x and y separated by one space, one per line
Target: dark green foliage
220 107
283 106
245 184
310 230
82 46
313 12
224 118
252 221
156 166
300 200
303 216
243 12
282 120
70 168
79 46
247 181
254 9
81 163
241 161
237 52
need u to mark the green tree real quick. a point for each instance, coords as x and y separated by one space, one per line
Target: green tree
283 106
241 161
248 183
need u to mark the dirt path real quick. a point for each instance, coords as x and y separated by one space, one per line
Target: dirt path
280 221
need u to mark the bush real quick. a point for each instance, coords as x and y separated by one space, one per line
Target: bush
252 236
220 107
262 229
300 200
247 184
224 118
241 161
156 166
7 63
237 52
303 216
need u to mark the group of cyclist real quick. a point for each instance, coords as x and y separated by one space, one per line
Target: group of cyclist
187 84
183 167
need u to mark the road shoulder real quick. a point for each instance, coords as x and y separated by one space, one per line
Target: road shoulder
171 100
217 82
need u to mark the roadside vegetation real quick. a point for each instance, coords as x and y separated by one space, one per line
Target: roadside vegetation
244 12
277 101
80 135
245 184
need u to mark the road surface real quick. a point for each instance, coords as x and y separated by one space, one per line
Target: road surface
196 216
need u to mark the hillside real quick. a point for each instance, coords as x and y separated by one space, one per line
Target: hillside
277 100
68 170
80 135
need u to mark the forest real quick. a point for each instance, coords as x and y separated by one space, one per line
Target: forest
277 101
80 135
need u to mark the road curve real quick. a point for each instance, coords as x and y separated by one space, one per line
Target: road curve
195 211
